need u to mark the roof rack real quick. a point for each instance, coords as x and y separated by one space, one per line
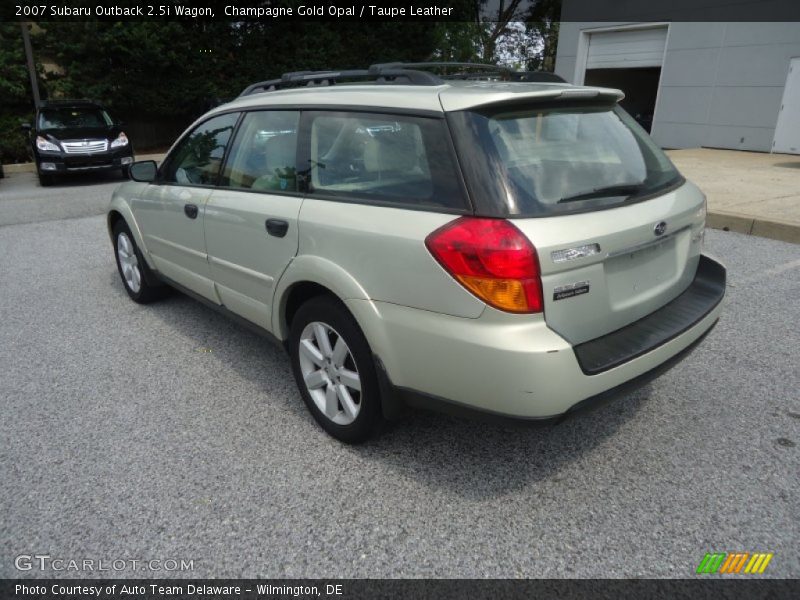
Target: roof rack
324 78
507 73
400 73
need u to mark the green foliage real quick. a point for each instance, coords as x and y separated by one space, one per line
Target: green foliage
171 68
151 71
14 82
15 96
543 21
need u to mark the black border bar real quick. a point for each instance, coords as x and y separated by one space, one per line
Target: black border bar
702 587
433 11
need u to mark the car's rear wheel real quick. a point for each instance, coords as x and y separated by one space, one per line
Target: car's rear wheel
136 276
334 369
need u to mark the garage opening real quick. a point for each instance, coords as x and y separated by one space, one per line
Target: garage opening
640 87
629 59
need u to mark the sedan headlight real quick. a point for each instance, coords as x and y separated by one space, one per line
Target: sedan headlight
45 146
122 140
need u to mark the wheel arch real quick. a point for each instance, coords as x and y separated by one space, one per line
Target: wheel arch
305 278
120 210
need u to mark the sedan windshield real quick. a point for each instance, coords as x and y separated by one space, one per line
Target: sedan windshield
563 159
74 118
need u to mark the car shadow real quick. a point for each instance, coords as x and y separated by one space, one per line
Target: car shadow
788 165
476 459
473 459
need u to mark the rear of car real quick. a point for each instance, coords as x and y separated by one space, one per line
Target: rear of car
584 246
78 137
511 248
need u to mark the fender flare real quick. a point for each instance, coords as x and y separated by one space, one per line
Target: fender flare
311 269
120 206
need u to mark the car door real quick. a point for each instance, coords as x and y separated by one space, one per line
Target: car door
251 218
171 211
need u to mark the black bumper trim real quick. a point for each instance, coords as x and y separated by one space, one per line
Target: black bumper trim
648 333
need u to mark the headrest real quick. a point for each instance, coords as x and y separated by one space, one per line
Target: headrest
395 151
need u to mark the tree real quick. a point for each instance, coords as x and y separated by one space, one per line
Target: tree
543 20
15 93
520 33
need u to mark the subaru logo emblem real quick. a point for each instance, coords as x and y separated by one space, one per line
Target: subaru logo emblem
660 228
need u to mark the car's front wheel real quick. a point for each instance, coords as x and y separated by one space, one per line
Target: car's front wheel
136 275
334 369
46 179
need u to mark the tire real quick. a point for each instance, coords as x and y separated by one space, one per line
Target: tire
343 393
46 180
124 172
137 278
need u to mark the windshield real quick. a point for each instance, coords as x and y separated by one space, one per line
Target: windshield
541 161
74 118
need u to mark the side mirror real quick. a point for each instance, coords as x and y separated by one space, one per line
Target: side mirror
120 123
144 170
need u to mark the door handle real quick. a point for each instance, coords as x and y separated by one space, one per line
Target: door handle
277 227
191 210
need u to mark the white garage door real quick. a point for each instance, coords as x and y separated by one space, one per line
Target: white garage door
626 49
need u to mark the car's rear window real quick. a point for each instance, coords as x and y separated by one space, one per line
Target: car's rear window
533 161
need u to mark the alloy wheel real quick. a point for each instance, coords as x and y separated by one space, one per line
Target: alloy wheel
128 263
330 372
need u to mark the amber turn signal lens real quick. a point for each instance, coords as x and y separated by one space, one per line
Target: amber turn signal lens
493 260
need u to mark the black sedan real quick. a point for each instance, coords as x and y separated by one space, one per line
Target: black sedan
77 136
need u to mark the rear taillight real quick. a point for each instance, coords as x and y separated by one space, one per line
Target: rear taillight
493 260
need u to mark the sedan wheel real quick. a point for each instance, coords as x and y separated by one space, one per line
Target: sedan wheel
128 263
335 370
330 373
141 284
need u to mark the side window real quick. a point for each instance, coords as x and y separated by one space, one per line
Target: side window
196 161
396 159
262 156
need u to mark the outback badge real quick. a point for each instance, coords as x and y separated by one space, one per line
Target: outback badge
568 291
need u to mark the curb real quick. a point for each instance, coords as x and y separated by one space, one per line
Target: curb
748 225
19 168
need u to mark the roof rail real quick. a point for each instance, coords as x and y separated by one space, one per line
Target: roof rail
324 78
442 65
463 70
507 73
399 73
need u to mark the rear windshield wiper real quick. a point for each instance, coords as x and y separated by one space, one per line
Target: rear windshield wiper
612 190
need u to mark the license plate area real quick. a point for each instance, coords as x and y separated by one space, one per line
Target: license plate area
639 273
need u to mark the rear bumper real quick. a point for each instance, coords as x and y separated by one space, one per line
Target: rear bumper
701 297
506 366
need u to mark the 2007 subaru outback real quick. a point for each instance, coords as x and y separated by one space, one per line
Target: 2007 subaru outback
514 248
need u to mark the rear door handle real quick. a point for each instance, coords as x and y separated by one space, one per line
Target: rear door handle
191 210
277 227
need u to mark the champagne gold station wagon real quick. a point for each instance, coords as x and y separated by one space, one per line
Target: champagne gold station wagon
483 240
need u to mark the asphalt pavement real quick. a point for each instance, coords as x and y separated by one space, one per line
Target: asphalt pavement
167 432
